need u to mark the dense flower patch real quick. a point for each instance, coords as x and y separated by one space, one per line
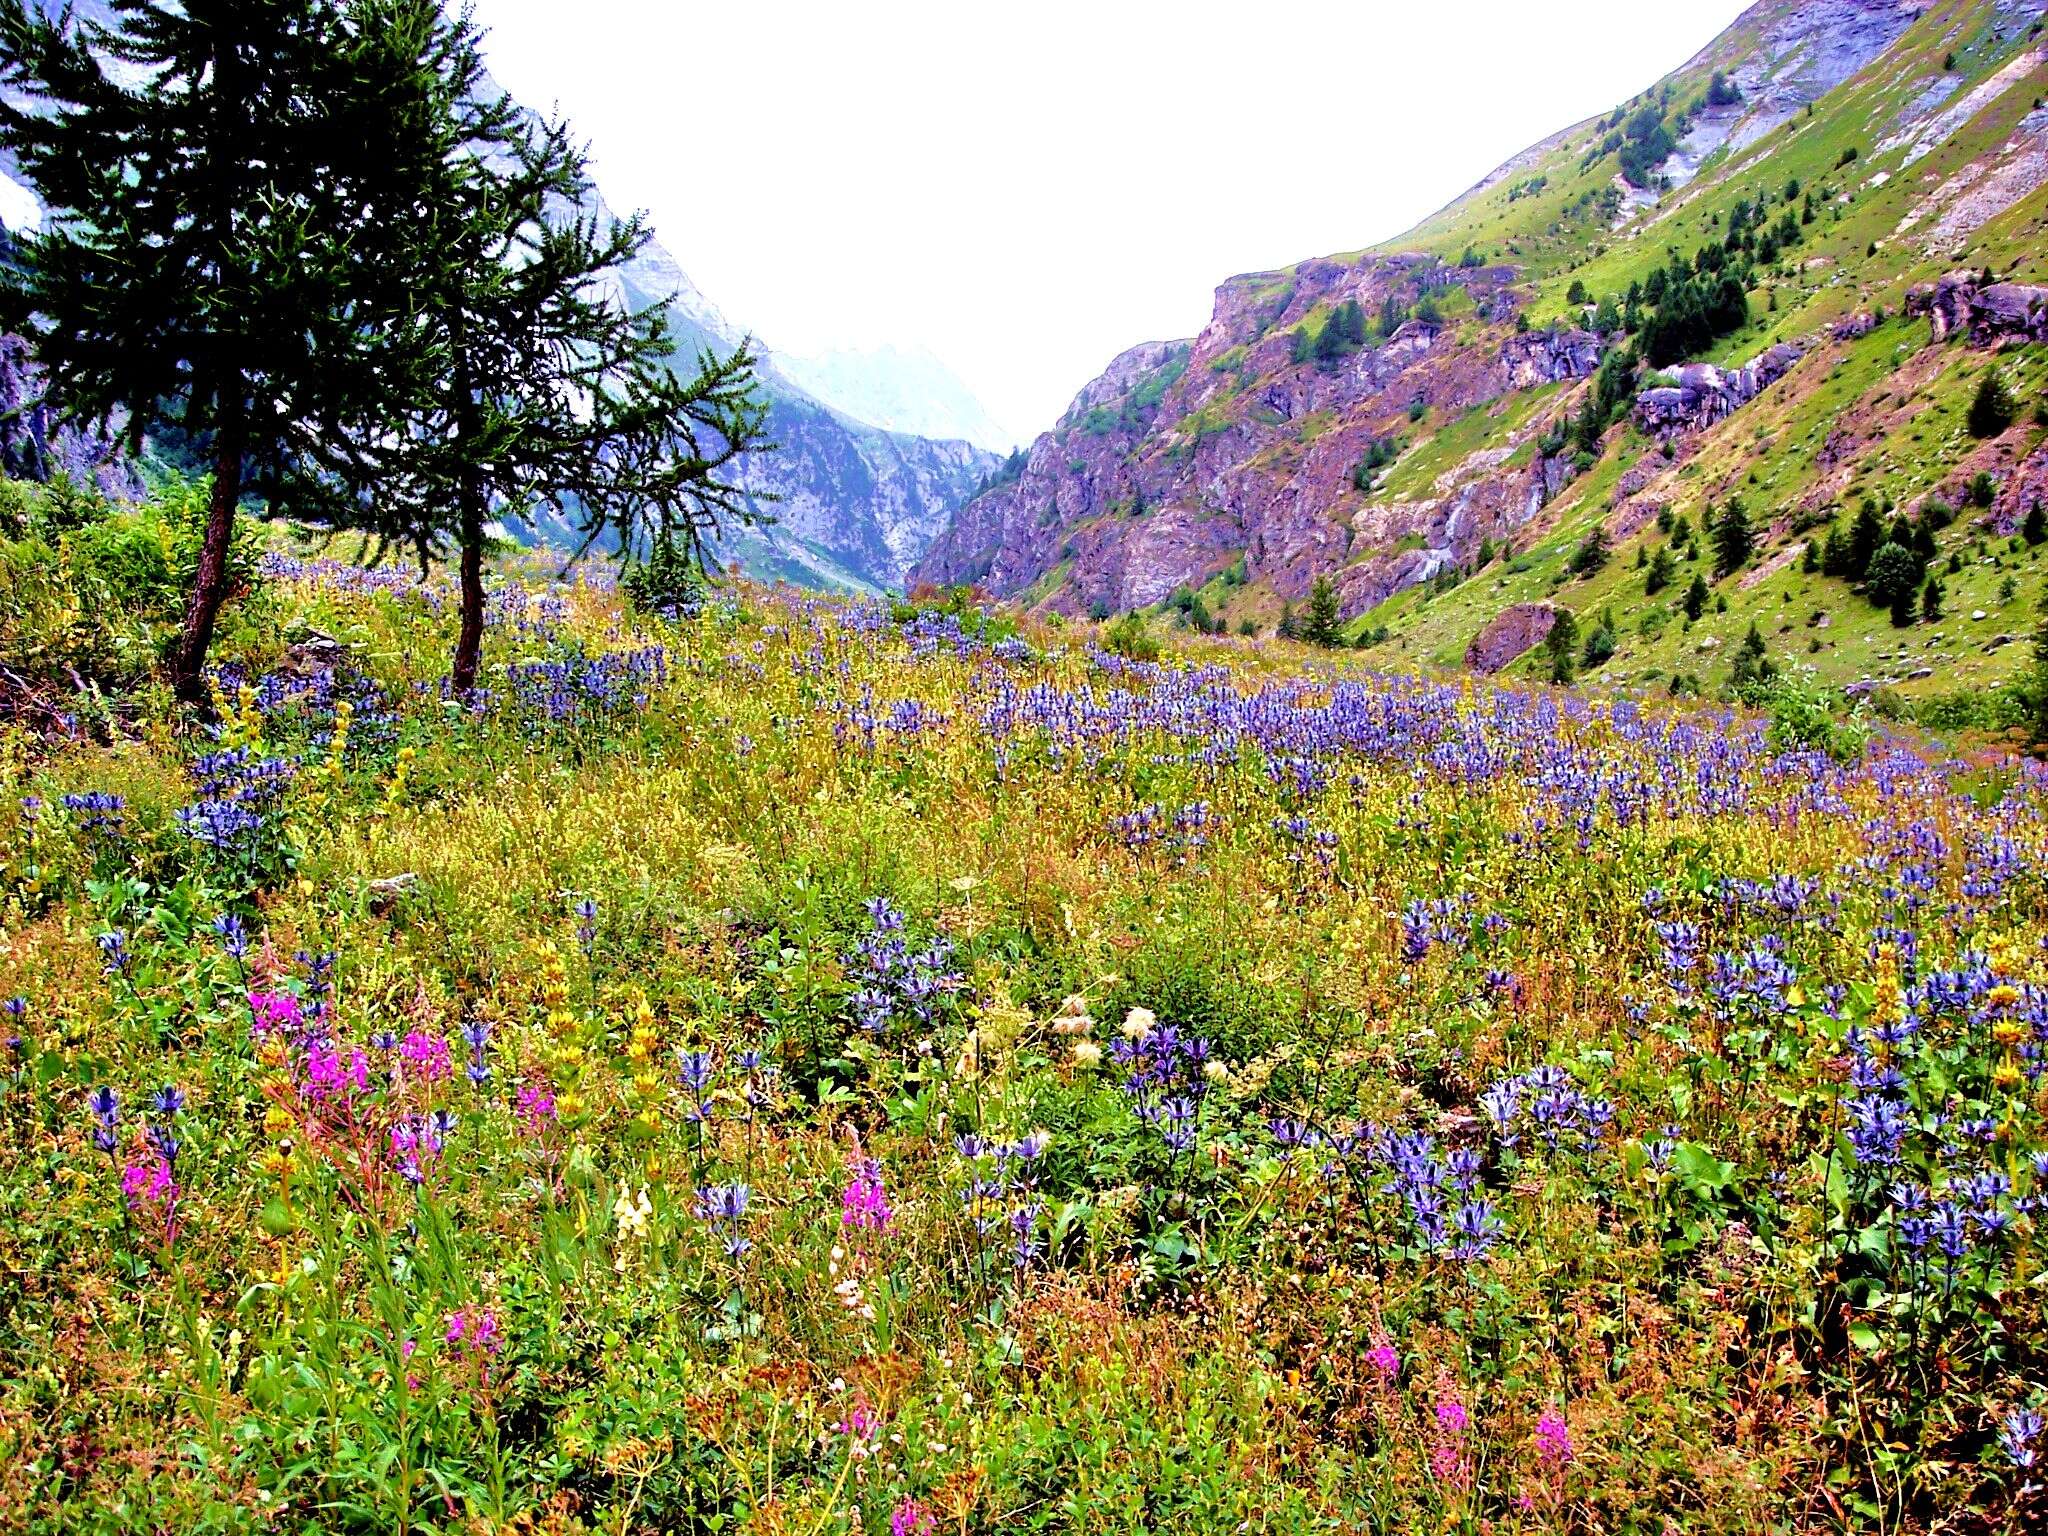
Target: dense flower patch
809 1066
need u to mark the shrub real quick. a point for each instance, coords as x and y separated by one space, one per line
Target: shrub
1130 637
1805 717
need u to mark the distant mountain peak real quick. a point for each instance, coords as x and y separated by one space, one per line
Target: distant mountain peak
900 389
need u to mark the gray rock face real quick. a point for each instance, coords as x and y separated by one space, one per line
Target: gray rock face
36 443
1548 357
1961 304
1513 632
1700 395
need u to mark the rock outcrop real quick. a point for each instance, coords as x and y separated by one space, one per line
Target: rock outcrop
1514 632
1549 357
36 443
1962 304
1699 395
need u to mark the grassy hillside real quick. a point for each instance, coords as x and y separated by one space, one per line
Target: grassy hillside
1837 156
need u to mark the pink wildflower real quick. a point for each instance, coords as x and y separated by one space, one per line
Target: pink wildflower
1384 1360
474 1332
535 1107
427 1054
1553 1438
1447 1455
865 1205
272 1013
150 1189
330 1075
861 1428
911 1519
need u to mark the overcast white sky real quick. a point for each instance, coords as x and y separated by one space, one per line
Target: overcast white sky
1027 189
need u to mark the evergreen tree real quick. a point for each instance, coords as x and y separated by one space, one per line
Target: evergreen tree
1993 409
207 168
1734 541
546 386
1931 598
1752 666
1835 559
1561 644
1288 629
2034 528
1696 596
1592 553
1895 574
1323 625
1865 534
1662 569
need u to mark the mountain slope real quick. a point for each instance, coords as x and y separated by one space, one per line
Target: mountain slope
1430 449
859 503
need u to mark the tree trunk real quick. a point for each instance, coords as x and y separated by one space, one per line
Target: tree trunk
469 643
210 583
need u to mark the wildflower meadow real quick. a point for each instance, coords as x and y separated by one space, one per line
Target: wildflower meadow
809 1066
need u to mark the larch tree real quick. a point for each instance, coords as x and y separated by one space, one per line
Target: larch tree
204 165
540 384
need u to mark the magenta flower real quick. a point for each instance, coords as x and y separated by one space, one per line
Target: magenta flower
911 1519
1447 1455
427 1054
862 1429
1384 1360
1553 1438
151 1192
864 1207
272 1013
329 1074
535 1107
473 1332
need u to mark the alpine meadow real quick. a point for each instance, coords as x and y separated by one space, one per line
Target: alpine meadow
1429 914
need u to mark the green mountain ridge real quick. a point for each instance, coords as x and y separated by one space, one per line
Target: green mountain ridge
1472 429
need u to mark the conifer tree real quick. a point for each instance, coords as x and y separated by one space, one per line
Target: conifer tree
1662 569
546 386
1752 667
1993 409
1734 541
1696 596
205 167
1865 535
1323 625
